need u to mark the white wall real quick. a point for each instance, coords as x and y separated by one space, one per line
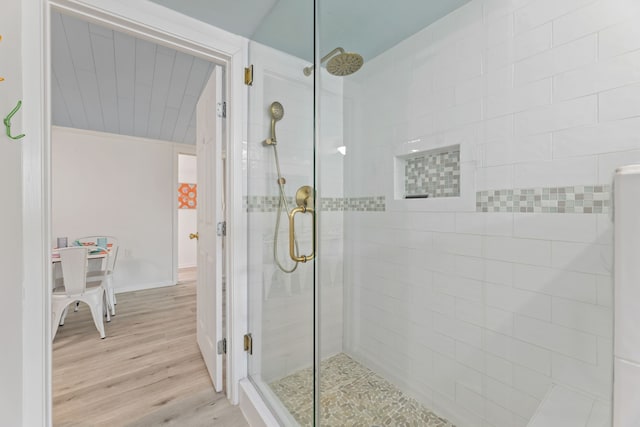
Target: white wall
187 218
11 219
119 186
478 314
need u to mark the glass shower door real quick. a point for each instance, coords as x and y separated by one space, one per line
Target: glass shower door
280 205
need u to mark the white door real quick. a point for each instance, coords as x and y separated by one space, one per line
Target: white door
210 213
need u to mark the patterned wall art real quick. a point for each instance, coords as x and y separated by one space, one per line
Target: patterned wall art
187 196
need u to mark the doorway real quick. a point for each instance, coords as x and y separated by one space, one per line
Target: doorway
164 151
155 23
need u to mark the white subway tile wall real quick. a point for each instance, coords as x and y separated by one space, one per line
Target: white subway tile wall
494 308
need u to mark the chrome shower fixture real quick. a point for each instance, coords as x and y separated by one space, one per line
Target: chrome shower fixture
343 64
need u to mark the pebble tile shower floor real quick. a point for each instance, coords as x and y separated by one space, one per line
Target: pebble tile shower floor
352 395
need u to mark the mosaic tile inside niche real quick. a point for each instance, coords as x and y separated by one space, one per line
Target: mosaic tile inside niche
352 395
433 174
327 204
572 199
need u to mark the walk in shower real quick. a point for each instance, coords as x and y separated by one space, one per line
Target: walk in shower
450 260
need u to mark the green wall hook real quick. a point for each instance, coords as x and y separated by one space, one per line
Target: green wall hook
7 121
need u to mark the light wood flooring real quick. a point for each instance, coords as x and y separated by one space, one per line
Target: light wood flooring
147 372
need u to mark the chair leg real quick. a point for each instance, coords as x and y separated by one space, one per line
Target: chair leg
57 314
108 303
105 306
96 312
77 306
111 295
64 315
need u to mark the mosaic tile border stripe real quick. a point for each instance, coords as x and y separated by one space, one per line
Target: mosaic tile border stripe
327 204
584 199
365 204
263 203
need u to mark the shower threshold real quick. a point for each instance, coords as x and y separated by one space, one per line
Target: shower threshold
351 395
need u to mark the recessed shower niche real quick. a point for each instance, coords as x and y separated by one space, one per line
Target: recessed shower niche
428 174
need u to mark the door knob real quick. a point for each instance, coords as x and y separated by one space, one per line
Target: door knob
193 236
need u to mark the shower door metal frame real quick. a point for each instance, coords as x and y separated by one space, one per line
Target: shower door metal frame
261 68
317 62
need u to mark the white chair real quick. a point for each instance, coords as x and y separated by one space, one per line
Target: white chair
74 286
107 267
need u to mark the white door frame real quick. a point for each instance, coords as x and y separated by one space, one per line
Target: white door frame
153 22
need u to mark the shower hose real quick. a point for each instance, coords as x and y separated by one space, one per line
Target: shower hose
282 202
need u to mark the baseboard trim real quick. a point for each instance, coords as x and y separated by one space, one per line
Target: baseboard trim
143 287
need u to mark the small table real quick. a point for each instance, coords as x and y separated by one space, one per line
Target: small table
55 256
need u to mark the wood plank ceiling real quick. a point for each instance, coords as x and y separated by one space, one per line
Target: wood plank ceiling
111 82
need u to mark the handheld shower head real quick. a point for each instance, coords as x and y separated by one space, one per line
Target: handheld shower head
277 113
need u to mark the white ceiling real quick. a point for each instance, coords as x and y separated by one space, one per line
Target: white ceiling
111 82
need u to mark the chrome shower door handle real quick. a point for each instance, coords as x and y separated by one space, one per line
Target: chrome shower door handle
292 234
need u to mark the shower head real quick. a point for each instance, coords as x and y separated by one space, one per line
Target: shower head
343 64
277 113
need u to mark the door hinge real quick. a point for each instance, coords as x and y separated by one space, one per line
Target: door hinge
248 75
222 228
221 109
248 343
222 346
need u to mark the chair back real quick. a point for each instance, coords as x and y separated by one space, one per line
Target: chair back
73 261
112 244
113 253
